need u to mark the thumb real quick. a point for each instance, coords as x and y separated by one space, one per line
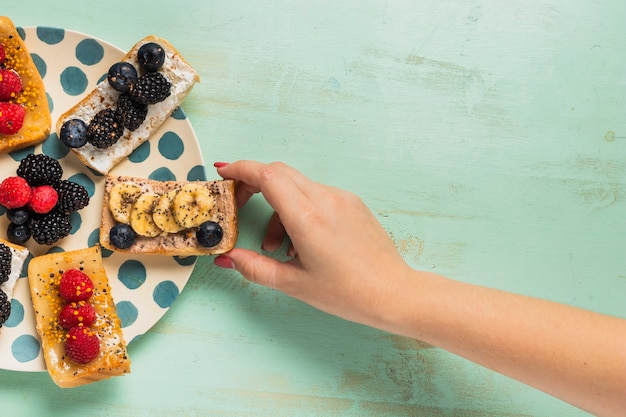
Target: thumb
253 266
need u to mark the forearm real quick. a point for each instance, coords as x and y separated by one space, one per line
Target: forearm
570 353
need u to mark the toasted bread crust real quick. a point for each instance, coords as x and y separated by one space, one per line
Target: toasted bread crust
176 69
183 243
43 274
37 121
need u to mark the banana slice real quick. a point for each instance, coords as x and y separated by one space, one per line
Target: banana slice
141 215
121 199
192 205
163 214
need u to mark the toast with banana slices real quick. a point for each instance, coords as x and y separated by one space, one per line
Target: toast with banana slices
178 218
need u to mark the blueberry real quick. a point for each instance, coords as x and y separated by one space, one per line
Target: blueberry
122 76
18 233
151 56
19 216
73 133
209 234
122 236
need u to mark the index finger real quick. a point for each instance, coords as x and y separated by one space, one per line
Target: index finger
279 183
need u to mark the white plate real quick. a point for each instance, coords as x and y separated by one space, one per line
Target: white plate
144 287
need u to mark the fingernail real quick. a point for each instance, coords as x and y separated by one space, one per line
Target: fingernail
220 164
224 261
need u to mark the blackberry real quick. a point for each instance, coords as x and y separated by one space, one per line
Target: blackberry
51 227
5 308
40 169
105 129
5 262
131 113
72 196
151 88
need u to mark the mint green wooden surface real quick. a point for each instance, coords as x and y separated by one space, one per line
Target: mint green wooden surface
489 137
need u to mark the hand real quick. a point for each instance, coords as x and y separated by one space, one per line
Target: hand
343 262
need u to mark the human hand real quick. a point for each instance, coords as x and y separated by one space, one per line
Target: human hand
342 260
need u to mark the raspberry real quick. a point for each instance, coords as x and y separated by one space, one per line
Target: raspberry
82 344
3 54
75 286
77 314
10 84
44 199
14 192
11 118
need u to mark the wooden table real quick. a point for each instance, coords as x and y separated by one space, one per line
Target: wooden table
488 137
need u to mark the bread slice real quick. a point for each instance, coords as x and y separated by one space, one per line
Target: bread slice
18 257
183 243
44 273
178 72
37 121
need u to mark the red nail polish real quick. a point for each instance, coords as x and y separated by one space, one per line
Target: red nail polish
224 262
220 164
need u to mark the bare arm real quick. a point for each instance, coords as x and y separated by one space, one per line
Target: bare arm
345 264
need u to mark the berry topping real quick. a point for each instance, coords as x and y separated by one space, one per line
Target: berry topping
5 262
44 199
82 345
122 76
5 308
105 129
122 236
3 54
151 88
10 84
18 233
132 114
51 227
73 133
209 234
40 169
19 215
72 196
11 118
151 56
77 314
14 192
75 286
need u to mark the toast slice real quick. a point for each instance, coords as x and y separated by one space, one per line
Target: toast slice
183 242
178 72
44 273
37 121
19 254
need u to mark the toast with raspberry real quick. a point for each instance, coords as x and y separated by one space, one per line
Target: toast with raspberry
24 113
87 350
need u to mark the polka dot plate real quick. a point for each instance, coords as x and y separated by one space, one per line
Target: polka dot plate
144 287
